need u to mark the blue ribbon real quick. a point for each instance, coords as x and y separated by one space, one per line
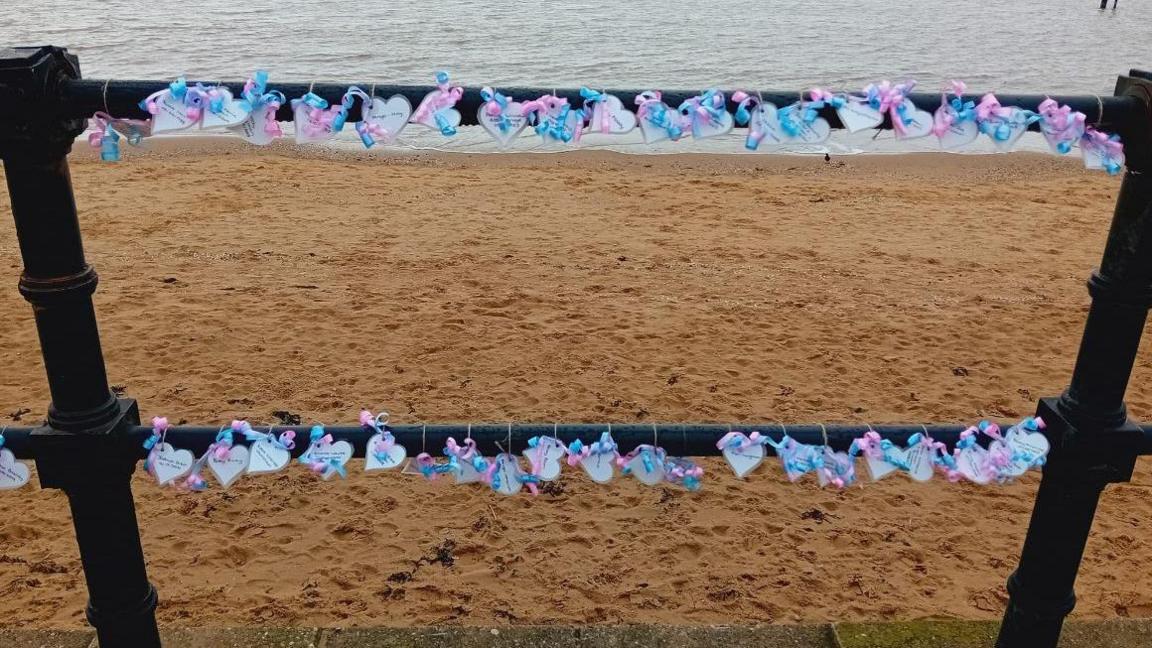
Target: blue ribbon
715 113
886 447
501 100
258 95
794 118
445 126
178 88
311 99
110 145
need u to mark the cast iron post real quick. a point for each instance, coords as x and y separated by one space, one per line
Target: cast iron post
82 450
1094 443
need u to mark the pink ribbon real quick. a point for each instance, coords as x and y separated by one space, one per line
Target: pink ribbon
445 96
888 97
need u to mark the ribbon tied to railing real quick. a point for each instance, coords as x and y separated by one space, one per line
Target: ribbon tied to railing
1061 126
495 105
443 98
259 98
888 97
957 111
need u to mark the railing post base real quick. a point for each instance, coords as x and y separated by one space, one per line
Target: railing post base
1081 463
94 469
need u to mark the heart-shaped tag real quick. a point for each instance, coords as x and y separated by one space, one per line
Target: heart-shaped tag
650 472
264 456
918 123
229 469
857 115
959 133
506 478
233 112
547 453
815 132
970 463
766 121
513 118
654 132
600 467
13 474
703 128
340 452
172 115
1014 126
393 458
254 129
169 464
879 469
610 117
837 465
744 461
391 115
466 473
1025 445
309 128
450 116
920 464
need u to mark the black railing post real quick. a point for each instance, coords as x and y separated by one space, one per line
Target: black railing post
84 448
1093 441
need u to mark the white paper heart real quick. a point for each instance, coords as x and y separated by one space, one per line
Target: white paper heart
917 124
233 112
340 452
253 129
744 461
13 474
173 116
1022 444
265 457
467 473
600 467
653 133
703 128
611 112
509 474
816 132
229 469
879 469
1093 158
1017 126
516 122
391 115
959 133
394 458
920 465
304 134
835 463
970 463
648 477
765 118
553 452
169 464
857 115
428 118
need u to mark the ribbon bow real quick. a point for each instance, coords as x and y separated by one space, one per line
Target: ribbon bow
104 138
592 97
445 96
319 439
683 471
379 424
709 106
887 97
997 121
651 108
495 104
193 98
794 118
159 430
953 111
1109 148
222 447
821 97
1061 124
549 117
258 98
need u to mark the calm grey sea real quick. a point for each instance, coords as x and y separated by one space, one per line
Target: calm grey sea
1019 45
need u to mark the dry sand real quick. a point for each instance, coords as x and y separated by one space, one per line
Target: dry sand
577 287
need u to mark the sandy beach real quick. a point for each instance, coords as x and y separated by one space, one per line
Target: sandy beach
576 287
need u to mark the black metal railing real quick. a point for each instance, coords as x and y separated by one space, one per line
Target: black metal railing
91 443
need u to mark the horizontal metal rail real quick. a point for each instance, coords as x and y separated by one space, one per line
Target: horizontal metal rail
688 439
83 97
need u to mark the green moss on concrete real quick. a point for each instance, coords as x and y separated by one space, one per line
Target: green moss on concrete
918 634
622 636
